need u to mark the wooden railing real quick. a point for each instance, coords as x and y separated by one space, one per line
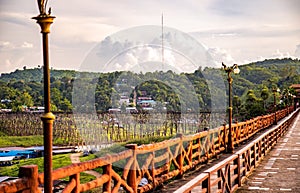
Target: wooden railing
157 162
229 174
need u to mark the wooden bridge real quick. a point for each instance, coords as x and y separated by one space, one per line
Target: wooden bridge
160 162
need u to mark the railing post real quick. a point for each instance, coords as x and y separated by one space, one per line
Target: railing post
229 176
153 169
30 172
254 154
179 158
264 146
76 177
220 182
107 169
224 137
206 184
237 170
132 179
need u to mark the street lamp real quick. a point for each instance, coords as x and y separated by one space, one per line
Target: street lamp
293 101
45 20
229 70
274 109
289 95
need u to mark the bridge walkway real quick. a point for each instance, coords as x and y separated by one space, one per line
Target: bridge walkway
289 145
279 170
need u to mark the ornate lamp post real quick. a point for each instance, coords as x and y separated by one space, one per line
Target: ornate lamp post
229 70
289 95
45 20
293 101
274 109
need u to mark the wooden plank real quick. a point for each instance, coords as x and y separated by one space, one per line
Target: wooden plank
193 183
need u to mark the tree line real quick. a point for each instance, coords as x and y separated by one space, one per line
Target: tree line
252 88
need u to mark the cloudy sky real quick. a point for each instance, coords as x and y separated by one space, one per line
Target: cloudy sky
232 31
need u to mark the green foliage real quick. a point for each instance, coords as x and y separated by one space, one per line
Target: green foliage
170 90
58 161
24 141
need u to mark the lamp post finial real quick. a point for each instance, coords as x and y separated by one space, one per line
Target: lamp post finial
42 6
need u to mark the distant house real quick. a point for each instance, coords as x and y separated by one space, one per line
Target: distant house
148 109
5 101
124 100
36 109
114 110
297 89
5 110
131 110
143 98
147 103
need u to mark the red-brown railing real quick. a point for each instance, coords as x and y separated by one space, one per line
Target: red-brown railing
229 174
157 162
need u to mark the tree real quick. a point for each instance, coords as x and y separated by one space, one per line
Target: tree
56 96
237 104
26 99
65 105
22 101
253 105
265 95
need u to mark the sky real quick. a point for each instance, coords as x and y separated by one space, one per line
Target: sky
232 31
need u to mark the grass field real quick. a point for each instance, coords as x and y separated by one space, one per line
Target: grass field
58 161
25 141
21 141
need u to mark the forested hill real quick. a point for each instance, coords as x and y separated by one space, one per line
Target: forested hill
285 71
34 74
255 72
24 87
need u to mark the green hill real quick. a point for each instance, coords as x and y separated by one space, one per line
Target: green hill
169 90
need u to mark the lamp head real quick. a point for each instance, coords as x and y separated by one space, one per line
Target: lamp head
236 70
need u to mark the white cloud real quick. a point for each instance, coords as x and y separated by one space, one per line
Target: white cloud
220 55
8 63
84 29
26 45
244 30
5 45
139 45
280 55
297 51
8 46
16 18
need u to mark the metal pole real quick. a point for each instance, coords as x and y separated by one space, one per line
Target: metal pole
229 70
45 20
275 120
230 144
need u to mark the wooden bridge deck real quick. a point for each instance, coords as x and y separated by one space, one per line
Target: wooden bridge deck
276 172
279 170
